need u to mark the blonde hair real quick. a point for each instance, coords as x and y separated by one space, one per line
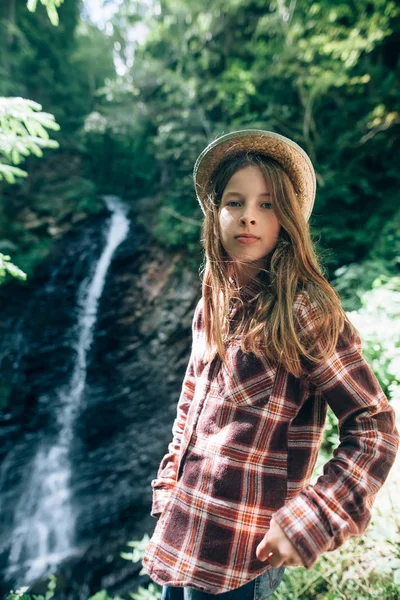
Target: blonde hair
267 324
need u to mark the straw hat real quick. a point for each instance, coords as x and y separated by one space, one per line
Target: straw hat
293 159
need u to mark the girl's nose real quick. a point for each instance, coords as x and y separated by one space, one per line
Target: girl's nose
246 218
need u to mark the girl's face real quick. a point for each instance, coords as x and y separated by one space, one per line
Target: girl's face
247 207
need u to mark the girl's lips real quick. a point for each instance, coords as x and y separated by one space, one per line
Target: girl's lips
247 240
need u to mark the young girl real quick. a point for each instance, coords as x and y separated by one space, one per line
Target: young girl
272 349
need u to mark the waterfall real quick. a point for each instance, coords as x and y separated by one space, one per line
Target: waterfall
44 520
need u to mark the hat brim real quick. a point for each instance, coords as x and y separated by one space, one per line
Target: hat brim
285 151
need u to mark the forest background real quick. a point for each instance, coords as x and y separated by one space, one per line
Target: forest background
139 93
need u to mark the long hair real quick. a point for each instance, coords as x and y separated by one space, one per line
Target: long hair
264 321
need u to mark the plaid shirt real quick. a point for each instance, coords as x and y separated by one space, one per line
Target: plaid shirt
245 442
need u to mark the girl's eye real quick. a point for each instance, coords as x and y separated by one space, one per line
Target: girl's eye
236 202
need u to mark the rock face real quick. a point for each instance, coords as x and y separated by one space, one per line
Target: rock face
135 368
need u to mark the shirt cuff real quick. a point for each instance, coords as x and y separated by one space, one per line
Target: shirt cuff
304 528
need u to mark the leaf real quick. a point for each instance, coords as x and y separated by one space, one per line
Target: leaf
53 14
31 5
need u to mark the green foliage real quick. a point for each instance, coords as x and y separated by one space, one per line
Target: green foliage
322 74
29 258
138 549
378 322
175 225
152 592
51 7
119 151
352 573
6 266
20 594
103 595
319 73
22 132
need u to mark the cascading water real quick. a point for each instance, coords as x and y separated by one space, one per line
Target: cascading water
44 520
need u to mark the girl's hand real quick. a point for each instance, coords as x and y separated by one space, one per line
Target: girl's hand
276 543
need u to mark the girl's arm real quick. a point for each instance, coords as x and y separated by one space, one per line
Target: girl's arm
322 516
167 471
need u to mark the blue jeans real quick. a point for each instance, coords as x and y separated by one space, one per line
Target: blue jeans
260 588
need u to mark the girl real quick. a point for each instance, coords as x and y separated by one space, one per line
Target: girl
272 349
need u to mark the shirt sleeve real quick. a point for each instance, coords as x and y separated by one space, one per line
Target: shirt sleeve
165 480
323 516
